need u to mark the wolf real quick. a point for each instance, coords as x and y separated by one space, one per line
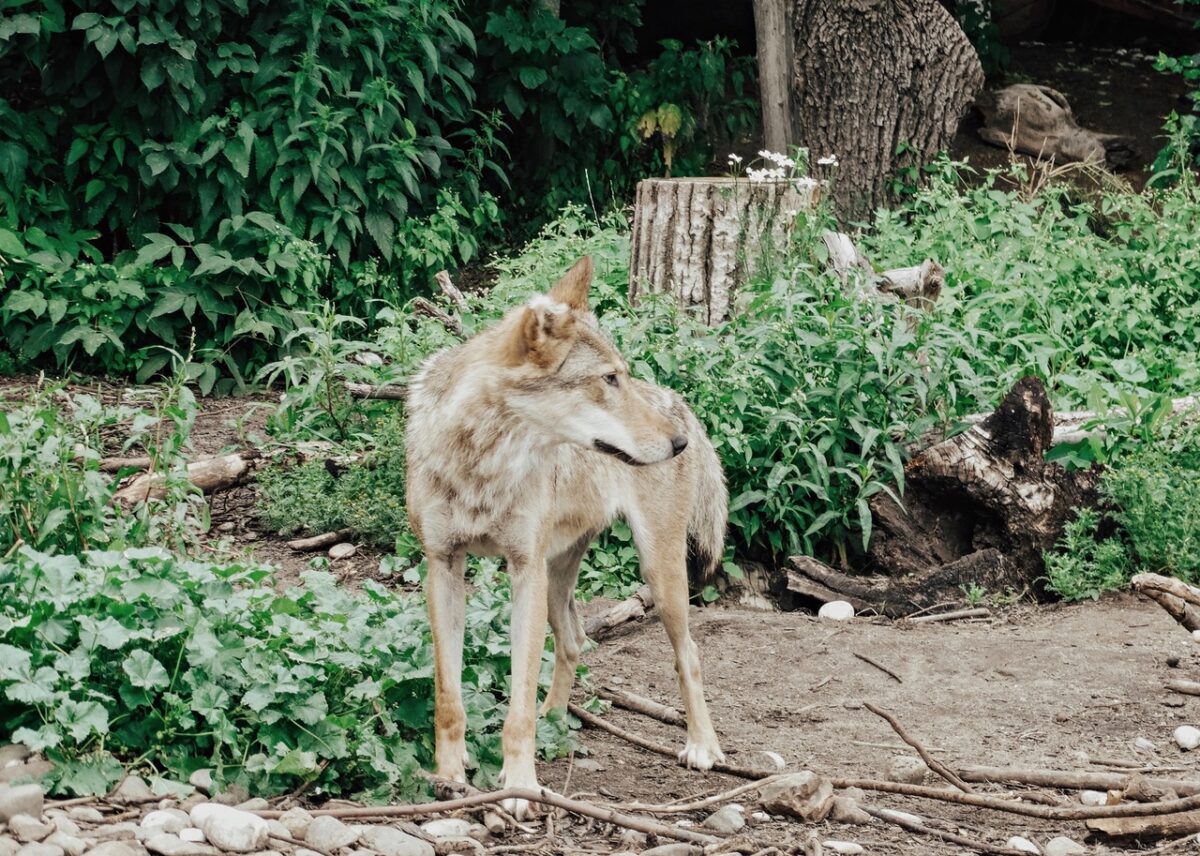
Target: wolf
526 441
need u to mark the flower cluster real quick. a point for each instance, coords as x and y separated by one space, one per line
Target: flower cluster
765 174
828 160
779 160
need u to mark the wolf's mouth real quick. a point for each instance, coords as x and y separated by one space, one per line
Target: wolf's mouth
624 457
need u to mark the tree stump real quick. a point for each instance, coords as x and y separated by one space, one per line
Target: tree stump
700 239
979 510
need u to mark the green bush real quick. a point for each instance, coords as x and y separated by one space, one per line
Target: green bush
1181 155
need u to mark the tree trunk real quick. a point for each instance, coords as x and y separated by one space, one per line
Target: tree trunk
870 75
773 37
700 239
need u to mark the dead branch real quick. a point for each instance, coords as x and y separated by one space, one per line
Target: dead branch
320 542
1163 589
657 748
442 278
917 287
113 465
878 666
1183 687
1181 611
542 797
931 762
382 391
697 805
956 615
630 609
640 704
1088 780
424 307
1184 823
208 474
913 826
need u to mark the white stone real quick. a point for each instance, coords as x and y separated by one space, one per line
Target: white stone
328 834
192 833
26 829
1024 845
907 770
836 610
202 780
776 759
296 820
1187 736
389 841
13 753
133 790
1145 744
1093 797
85 814
116 848
165 820
1196 635
231 829
847 848
447 827
20 799
8 847
342 551
759 816
62 823
901 815
71 845
1063 846
39 849
728 819
166 844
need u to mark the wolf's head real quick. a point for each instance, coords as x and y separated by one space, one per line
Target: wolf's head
567 378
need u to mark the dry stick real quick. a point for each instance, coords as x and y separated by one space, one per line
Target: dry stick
979 612
442 278
696 805
1088 779
112 465
544 797
319 542
913 826
878 666
649 745
640 704
933 763
382 391
424 307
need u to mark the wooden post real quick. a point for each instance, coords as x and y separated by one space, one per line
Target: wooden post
774 38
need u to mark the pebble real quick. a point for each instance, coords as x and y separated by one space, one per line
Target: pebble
71 845
632 840
304 851
759 816
8 847
33 769
680 849
166 844
1145 744
836 610
907 770
277 829
296 820
846 848
447 827
328 833
342 551
116 848
39 849
202 780
193 834
20 799
846 810
62 823
1024 845
231 796
165 820
901 815
1187 736
86 814
1196 635
231 829
26 829
730 819
1063 846
389 841
1093 797
133 790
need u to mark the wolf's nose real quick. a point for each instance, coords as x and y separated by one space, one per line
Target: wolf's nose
678 443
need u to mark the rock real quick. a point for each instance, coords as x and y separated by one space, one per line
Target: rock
231 796
39 849
70 844
729 819
328 833
1093 797
33 769
62 823
901 815
447 827
678 849
27 829
116 832
762 816
8 846
202 780
846 848
231 829
1024 845
632 840
166 820
908 770
589 765
117 848
342 551
133 791
277 830
254 804
805 795
846 810
1063 846
191 802
192 833
480 833
1139 789
304 851
1145 744
836 610
1187 736
166 844
389 841
296 820
85 814
13 753
20 799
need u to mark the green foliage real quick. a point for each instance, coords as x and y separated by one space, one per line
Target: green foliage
112 656
975 17
1180 157
1082 566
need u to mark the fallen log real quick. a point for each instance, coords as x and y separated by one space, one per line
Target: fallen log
1176 607
955 615
632 608
640 704
1181 823
1081 780
1146 583
208 474
384 391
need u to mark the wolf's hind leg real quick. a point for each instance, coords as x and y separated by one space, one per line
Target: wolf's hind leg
662 548
445 592
569 636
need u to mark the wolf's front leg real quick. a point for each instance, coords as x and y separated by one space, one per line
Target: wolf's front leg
445 593
528 636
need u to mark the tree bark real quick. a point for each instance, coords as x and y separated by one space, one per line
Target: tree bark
700 239
870 75
773 37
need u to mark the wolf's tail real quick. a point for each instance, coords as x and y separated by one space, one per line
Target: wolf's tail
710 514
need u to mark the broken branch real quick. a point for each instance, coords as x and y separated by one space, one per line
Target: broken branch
878 666
320 542
1096 781
956 615
382 391
931 762
913 826
423 307
632 608
644 706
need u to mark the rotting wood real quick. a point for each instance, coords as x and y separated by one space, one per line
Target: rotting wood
207 474
1182 823
1186 614
442 278
640 704
320 542
700 239
1145 583
1074 780
931 762
632 608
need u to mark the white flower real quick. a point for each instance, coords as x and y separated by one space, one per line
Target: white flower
828 160
735 158
756 174
764 153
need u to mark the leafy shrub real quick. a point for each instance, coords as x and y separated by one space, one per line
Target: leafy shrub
113 656
1083 566
1181 155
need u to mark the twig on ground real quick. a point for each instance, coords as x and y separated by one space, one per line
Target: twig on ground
112 465
640 704
696 805
424 307
931 762
319 542
1086 779
878 666
978 612
913 826
543 797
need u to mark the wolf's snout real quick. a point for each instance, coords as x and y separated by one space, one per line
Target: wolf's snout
678 443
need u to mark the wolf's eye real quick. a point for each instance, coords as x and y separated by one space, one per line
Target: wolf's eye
611 379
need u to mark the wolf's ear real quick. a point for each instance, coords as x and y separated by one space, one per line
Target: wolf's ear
542 334
572 289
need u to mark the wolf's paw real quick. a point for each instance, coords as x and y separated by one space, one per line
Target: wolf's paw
518 808
700 756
